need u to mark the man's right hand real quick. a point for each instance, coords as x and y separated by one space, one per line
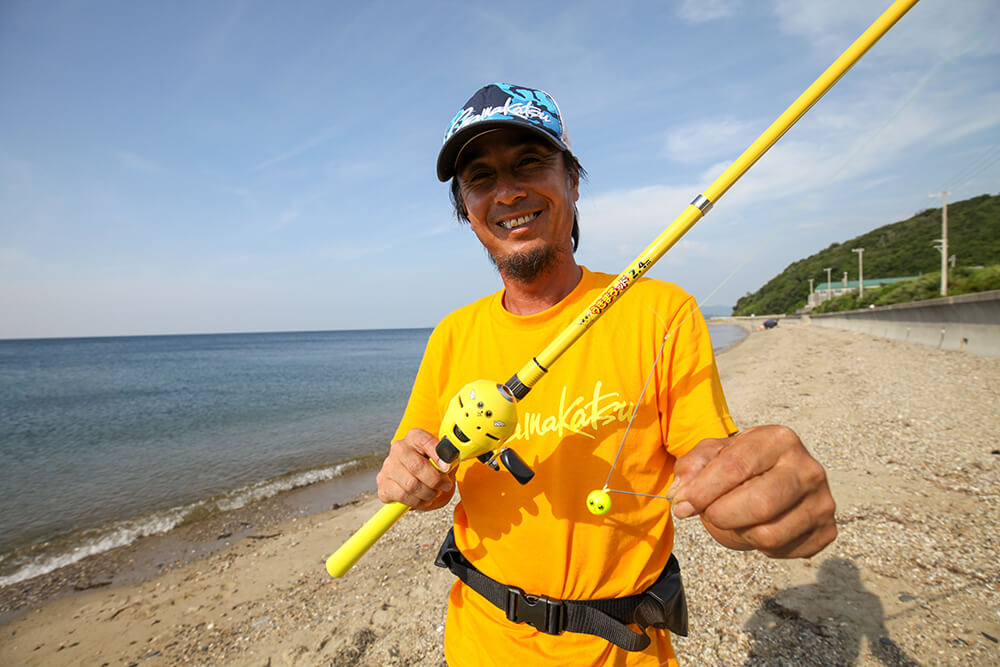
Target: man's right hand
407 475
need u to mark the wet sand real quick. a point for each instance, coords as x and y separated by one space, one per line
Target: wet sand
908 435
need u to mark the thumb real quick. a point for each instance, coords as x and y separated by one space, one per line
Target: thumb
426 444
689 465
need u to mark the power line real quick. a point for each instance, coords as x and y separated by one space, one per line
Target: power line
976 167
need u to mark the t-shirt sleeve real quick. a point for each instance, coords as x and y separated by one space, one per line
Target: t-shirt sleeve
423 407
694 404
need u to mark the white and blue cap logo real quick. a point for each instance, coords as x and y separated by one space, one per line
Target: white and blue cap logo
500 105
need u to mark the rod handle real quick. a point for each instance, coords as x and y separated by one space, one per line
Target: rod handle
357 544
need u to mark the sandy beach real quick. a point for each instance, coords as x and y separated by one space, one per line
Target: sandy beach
909 438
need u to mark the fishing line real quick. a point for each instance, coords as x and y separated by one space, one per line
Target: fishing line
635 410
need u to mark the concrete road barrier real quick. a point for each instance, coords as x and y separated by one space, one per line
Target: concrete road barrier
968 323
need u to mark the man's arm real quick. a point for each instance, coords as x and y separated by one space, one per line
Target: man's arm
760 490
408 476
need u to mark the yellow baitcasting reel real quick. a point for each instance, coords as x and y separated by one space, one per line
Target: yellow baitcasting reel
479 419
477 422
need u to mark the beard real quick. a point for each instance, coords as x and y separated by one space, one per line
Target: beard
528 266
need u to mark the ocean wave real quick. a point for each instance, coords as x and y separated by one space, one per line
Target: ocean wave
264 490
119 535
40 560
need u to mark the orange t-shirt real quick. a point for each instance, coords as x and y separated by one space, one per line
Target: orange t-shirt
540 537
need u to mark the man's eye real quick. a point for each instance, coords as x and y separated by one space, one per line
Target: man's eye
533 161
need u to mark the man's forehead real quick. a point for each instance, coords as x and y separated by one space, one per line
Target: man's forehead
513 139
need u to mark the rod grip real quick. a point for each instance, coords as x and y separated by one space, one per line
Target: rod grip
357 544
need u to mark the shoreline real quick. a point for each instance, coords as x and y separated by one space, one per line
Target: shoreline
912 577
153 555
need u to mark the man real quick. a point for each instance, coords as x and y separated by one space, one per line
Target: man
531 558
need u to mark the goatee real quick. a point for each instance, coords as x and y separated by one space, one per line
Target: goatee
528 266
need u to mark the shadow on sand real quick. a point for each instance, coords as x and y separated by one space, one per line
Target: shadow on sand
847 614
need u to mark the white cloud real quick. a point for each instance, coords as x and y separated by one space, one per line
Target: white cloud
703 11
708 139
137 162
287 217
820 20
928 29
304 146
15 172
620 224
16 260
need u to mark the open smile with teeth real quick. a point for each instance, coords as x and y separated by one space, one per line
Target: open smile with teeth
517 222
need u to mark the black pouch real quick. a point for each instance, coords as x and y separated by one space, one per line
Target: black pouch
664 604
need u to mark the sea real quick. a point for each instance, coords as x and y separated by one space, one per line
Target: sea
104 441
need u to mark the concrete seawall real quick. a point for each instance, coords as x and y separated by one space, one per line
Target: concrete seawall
968 323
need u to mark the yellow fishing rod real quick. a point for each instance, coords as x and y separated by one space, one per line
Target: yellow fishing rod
484 414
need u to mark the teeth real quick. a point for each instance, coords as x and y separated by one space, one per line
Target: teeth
517 222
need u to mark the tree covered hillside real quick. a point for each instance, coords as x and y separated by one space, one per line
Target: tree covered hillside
899 249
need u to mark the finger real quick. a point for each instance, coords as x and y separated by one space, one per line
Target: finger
426 444
688 466
796 481
801 532
744 457
408 476
419 457
759 500
424 498
415 477
395 483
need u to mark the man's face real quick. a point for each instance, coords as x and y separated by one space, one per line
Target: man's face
518 194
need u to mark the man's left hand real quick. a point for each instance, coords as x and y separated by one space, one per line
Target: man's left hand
759 489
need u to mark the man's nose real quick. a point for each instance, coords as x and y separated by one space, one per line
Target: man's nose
509 188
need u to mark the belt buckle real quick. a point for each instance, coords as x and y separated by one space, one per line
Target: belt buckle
542 613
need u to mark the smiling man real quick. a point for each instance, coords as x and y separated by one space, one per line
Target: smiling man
542 579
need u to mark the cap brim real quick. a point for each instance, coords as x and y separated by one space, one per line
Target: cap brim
456 142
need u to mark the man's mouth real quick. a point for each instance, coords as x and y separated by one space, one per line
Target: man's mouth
514 223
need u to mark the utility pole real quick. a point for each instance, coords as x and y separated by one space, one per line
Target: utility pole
861 271
810 301
942 243
829 284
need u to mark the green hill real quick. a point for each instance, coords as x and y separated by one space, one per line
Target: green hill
899 249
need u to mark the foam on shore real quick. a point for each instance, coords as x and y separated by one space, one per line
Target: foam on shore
51 555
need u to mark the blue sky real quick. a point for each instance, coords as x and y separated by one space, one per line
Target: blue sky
261 166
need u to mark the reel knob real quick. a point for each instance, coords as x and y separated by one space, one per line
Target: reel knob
516 466
599 502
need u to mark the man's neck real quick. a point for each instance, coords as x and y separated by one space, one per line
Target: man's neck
542 293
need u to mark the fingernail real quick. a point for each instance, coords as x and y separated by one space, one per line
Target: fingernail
674 488
683 510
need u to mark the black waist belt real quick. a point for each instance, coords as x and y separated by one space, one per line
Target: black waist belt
662 605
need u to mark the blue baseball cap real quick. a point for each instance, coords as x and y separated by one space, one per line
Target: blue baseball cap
496 106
